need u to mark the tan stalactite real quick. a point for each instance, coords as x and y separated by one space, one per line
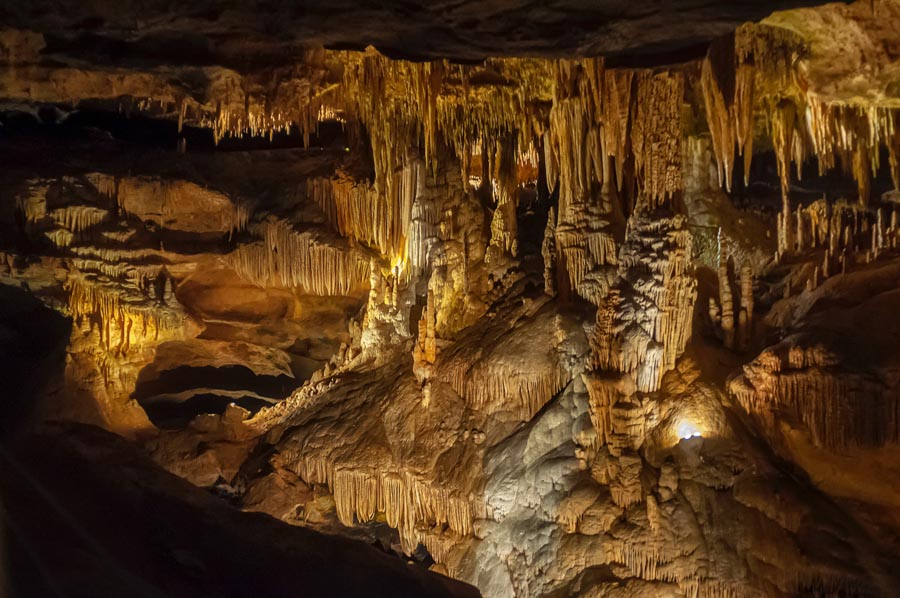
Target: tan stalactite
493 389
656 135
79 218
292 99
727 89
70 220
839 409
853 135
358 212
578 149
410 505
288 259
783 121
617 118
759 66
123 320
504 228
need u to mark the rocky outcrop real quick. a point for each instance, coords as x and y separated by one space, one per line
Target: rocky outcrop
174 547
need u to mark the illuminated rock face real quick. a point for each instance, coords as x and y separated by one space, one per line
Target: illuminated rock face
550 326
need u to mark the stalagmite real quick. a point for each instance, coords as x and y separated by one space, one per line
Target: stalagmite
426 346
833 224
725 298
548 253
745 322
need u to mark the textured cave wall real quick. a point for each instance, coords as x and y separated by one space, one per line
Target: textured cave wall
550 326
459 30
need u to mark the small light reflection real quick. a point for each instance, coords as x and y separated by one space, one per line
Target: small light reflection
687 429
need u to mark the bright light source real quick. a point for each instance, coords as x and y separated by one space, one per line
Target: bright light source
687 429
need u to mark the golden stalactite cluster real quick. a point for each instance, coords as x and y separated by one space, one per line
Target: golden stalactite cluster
657 136
414 507
123 320
727 90
289 259
237 105
487 111
358 212
749 72
759 76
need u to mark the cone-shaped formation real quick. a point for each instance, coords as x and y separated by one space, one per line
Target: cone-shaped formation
652 306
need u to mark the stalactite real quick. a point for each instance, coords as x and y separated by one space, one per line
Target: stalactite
617 118
60 237
237 106
727 82
783 138
504 230
656 135
492 389
840 410
123 319
358 212
289 259
578 149
78 218
853 134
32 204
412 506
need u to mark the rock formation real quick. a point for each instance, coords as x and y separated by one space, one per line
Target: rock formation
608 312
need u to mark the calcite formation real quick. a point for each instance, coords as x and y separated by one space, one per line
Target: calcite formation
548 325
